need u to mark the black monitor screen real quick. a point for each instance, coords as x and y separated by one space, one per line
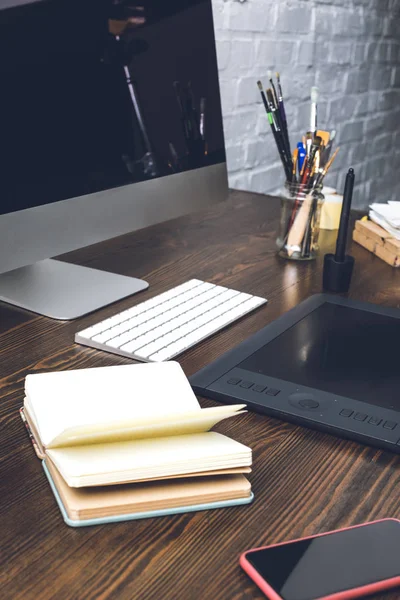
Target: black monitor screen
97 94
337 349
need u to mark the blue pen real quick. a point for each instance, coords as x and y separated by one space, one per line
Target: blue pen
301 156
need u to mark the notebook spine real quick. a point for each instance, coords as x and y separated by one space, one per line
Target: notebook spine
30 434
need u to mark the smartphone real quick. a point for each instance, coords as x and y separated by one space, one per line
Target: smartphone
339 565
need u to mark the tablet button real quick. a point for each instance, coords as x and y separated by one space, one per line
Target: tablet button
309 403
360 416
346 412
258 388
234 380
389 424
303 400
272 392
374 421
246 384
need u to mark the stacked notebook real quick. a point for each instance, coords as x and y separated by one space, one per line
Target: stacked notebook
129 442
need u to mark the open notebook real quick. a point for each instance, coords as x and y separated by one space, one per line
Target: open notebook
133 424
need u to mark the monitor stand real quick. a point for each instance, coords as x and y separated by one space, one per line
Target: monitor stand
65 291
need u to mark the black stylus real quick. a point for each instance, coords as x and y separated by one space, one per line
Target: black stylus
344 217
338 267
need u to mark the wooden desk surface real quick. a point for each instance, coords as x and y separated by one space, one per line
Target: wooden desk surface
304 481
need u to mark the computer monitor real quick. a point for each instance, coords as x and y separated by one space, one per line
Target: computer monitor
110 121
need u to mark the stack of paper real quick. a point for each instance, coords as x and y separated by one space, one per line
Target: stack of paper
387 216
140 431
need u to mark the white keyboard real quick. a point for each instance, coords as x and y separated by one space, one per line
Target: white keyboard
162 327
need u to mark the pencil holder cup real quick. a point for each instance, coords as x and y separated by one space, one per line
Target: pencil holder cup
299 221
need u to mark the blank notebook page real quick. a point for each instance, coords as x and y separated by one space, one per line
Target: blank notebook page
98 464
60 400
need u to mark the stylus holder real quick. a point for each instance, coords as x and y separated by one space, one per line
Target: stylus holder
299 222
337 275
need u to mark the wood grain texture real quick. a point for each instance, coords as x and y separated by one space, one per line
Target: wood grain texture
304 481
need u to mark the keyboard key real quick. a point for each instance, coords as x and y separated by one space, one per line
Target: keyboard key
170 323
163 354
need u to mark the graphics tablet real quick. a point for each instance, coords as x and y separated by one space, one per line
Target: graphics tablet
330 363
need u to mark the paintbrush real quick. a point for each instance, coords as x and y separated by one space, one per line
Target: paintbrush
298 227
328 148
308 142
271 114
306 182
314 148
278 135
282 114
264 99
275 95
313 114
323 171
325 135
306 245
294 163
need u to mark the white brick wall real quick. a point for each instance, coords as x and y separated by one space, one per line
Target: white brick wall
350 49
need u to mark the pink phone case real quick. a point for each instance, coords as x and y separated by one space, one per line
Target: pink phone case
371 588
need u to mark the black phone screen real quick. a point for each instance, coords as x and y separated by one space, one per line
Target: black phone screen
316 567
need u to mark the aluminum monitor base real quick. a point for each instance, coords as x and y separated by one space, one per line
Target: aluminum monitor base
64 291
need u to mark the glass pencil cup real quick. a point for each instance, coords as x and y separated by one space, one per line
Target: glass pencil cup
299 221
